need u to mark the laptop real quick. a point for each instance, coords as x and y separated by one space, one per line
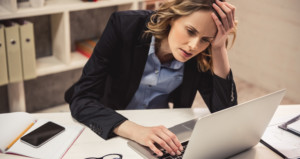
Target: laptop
224 133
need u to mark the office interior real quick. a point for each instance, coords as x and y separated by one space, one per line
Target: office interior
264 57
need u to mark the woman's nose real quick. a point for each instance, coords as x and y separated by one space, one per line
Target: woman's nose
193 44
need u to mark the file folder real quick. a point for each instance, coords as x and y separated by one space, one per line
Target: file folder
27 50
3 62
13 52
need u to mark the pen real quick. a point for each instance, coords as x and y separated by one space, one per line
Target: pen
16 139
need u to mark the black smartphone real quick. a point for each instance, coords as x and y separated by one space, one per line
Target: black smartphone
42 134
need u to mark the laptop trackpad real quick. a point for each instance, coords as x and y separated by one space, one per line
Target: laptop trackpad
184 130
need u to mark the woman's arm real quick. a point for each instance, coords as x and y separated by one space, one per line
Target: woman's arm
218 90
221 66
84 96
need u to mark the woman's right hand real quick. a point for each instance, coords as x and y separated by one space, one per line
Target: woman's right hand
151 137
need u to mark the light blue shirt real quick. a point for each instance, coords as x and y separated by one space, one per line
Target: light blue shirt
157 82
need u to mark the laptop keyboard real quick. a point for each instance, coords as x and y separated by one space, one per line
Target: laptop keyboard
168 156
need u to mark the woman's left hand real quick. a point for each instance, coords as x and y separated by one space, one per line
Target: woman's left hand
226 12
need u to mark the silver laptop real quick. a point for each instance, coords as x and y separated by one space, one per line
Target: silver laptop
224 133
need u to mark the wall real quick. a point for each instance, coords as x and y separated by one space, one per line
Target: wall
267 49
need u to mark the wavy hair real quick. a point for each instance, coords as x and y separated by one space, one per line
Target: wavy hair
159 24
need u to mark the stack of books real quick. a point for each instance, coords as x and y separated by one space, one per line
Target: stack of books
86 47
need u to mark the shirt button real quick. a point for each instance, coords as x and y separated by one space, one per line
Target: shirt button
156 71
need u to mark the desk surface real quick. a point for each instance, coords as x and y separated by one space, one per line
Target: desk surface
91 145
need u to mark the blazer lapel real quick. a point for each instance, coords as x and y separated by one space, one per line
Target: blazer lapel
140 55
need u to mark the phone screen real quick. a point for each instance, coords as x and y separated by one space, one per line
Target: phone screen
42 134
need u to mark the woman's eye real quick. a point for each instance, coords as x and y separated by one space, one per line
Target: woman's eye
190 32
205 40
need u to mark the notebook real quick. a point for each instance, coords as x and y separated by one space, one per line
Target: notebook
224 133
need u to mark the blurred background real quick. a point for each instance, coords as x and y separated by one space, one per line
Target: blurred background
267 49
265 54
264 57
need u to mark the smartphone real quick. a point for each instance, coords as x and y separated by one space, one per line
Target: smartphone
42 134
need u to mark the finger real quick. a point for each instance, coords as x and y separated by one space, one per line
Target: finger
174 139
163 144
168 137
232 7
219 25
222 15
228 13
170 147
154 148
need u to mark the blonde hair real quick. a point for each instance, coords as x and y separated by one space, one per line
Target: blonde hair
159 24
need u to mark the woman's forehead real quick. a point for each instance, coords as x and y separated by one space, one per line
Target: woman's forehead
202 21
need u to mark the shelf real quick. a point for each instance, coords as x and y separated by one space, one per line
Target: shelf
58 6
51 65
58 14
4 11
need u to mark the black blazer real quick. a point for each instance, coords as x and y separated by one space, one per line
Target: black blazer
113 73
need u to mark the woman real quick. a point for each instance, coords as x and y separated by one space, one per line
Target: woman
147 59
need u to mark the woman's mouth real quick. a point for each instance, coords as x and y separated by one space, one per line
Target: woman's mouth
186 54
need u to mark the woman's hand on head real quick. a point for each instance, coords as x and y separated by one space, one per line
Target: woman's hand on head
227 13
151 137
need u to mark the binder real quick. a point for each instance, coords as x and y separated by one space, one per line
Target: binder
3 61
27 50
13 52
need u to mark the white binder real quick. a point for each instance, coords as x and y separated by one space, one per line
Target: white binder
13 51
3 59
27 50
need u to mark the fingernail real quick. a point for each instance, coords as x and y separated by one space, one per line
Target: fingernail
173 153
178 152
181 148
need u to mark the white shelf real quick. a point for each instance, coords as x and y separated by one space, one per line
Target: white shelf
3 12
51 65
62 58
58 6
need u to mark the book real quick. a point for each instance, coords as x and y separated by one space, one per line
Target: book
15 125
86 47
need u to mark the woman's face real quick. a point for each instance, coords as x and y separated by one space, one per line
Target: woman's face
190 35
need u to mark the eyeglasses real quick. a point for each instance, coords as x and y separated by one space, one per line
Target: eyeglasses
108 156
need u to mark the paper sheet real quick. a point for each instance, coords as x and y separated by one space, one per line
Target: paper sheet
12 125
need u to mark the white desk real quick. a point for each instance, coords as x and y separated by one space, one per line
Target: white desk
90 145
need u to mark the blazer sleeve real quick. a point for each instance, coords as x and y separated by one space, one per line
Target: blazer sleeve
218 93
84 96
